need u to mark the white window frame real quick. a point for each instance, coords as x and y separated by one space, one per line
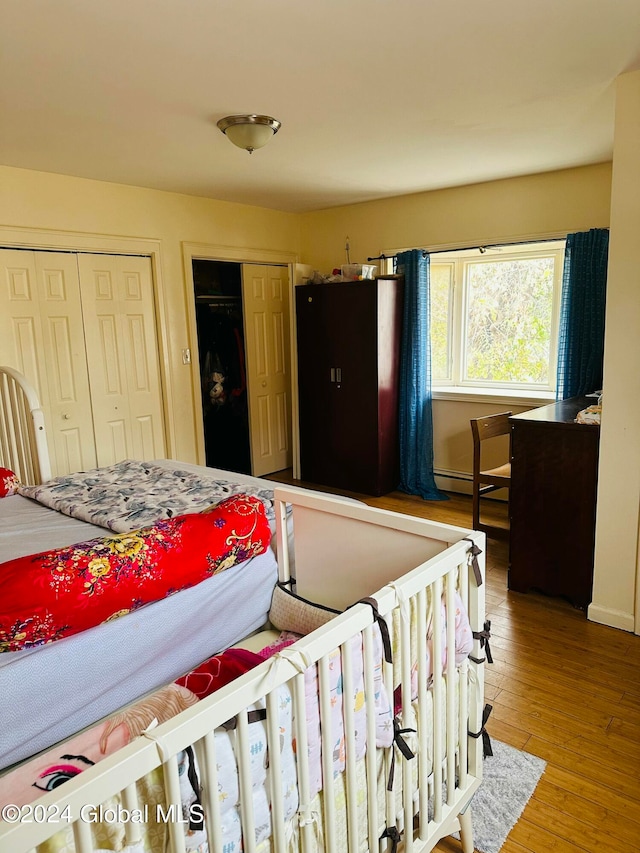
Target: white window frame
455 386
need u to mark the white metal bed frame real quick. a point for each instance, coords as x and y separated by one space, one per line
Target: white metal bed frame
23 442
342 540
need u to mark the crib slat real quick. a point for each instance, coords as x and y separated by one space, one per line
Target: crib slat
132 831
243 757
403 765
275 773
302 755
372 782
348 696
388 674
452 730
436 589
328 785
463 701
476 672
82 837
205 750
173 798
422 616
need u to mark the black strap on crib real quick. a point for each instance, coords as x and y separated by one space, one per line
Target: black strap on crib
392 833
252 717
475 565
384 628
402 745
192 776
484 637
487 749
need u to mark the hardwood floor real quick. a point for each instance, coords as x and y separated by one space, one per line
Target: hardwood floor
562 688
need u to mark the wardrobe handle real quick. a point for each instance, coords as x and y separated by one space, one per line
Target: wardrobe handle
338 374
333 374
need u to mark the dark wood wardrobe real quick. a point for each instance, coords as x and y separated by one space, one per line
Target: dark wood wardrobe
348 364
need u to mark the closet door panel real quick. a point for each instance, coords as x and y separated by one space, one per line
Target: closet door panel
41 335
119 319
20 329
266 317
69 401
141 358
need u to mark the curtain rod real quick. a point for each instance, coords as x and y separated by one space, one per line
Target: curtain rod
481 248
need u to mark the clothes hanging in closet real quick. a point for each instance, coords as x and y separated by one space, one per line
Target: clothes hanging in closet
224 391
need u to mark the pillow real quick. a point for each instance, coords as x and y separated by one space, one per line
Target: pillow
55 594
290 612
8 483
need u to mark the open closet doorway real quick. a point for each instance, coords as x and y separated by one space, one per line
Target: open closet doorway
244 361
221 358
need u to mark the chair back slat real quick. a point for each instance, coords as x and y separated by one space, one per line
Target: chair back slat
491 426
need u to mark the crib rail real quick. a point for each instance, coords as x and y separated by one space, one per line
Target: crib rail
420 801
23 443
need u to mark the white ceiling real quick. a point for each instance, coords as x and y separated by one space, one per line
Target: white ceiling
376 97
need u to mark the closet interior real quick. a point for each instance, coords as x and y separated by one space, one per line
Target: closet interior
221 352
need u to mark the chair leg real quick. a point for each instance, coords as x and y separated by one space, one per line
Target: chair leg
475 507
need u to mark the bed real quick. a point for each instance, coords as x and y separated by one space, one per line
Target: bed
257 764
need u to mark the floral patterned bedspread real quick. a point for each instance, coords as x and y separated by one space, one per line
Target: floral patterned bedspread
132 494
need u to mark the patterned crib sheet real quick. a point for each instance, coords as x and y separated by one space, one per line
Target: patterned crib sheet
133 494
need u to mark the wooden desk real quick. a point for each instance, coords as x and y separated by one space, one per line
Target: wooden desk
552 501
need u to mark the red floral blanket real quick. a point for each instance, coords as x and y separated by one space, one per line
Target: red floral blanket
54 594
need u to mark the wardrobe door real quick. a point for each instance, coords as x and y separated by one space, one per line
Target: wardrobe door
314 380
351 459
41 335
122 355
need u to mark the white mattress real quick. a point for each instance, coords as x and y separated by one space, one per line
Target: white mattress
51 692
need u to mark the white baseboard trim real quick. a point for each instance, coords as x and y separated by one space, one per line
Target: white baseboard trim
453 481
462 482
613 618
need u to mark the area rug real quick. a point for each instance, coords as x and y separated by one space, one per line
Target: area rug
509 779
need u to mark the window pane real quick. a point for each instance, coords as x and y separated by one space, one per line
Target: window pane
509 320
440 290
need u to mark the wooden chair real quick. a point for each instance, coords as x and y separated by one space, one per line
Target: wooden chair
490 479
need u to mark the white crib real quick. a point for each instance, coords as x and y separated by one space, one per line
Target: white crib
342 552
348 539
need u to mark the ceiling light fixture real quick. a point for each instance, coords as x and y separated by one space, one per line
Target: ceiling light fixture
249 131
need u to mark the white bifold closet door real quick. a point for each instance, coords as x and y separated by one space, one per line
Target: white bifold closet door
82 329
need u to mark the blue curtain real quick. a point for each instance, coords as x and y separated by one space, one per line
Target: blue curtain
581 342
415 419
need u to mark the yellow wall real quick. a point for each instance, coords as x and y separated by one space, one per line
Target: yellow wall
536 205
39 200
617 579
